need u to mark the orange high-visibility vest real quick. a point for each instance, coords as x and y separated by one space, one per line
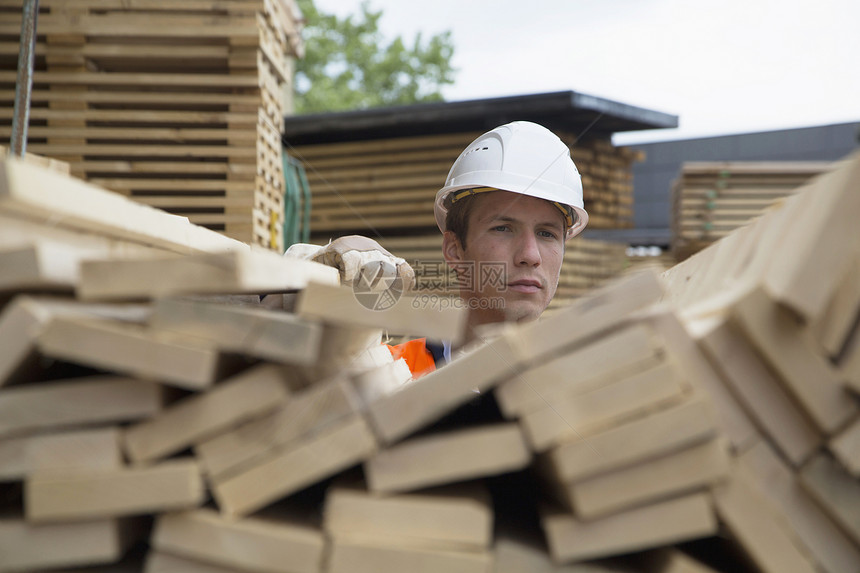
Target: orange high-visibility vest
418 357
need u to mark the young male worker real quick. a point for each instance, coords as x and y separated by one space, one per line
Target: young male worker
511 200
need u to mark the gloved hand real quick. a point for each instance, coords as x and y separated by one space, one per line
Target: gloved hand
359 259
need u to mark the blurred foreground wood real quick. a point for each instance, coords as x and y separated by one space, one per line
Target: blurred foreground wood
700 419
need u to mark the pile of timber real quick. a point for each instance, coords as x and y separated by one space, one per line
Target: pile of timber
587 264
701 420
178 105
388 185
712 199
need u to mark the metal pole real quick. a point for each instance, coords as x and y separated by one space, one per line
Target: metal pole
24 81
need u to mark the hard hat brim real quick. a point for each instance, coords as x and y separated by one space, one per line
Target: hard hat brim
523 187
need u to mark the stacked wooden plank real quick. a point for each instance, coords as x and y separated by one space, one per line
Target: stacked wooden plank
120 392
178 105
388 185
774 306
712 199
587 265
698 421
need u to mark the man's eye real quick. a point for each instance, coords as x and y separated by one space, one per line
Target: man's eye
548 234
500 228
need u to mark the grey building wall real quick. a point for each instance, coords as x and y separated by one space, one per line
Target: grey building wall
652 179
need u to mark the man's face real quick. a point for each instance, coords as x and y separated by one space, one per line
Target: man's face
523 237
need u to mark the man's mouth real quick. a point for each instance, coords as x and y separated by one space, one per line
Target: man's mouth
525 286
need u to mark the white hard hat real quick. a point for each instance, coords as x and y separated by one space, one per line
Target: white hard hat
520 157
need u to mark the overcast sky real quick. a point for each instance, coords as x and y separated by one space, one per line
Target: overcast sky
727 66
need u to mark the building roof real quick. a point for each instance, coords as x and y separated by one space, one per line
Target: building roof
567 110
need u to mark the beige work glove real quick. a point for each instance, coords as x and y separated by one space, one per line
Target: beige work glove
359 260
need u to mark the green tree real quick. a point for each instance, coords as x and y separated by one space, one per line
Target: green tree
347 65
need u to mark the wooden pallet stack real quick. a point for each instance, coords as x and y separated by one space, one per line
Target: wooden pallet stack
703 420
712 199
178 105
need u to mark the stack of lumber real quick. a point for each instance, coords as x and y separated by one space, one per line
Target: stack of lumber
774 306
178 105
587 265
712 199
701 420
388 185
607 180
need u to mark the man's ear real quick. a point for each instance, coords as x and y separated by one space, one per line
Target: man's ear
452 250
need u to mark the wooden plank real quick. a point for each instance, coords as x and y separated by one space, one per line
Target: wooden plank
276 336
637 441
17 232
174 98
249 544
382 380
296 466
133 350
519 552
137 79
602 310
363 371
225 6
682 519
255 271
694 468
784 343
686 353
159 134
447 457
307 413
96 449
846 447
731 169
425 400
676 561
849 362
454 517
342 305
349 555
55 199
143 24
26 546
77 495
41 266
584 368
774 410
763 536
805 272
580 414
177 152
77 401
159 562
196 418
836 491
831 549
833 326
383 147
23 319
43 162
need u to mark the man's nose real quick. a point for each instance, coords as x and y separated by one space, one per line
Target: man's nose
528 253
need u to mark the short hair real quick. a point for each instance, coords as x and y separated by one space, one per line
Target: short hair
457 218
